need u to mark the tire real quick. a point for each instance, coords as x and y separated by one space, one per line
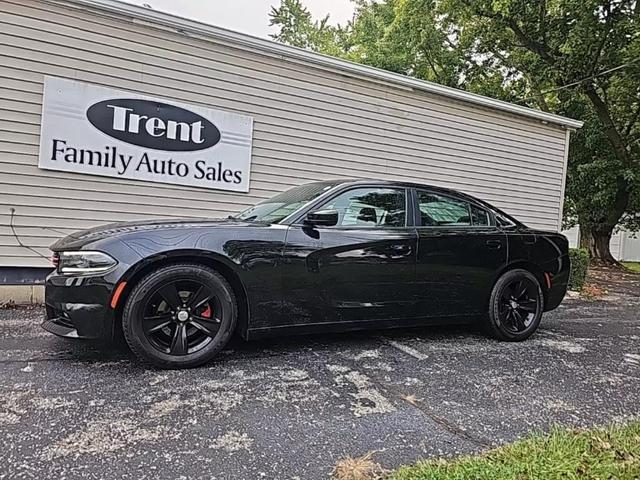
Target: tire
515 306
160 325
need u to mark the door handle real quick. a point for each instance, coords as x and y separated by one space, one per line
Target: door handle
494 244
400 250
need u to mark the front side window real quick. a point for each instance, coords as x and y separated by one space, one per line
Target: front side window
438 210
370 207
503 221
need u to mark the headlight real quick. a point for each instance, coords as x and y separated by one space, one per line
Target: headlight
84 262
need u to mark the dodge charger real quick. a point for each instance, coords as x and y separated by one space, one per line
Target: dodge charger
325 256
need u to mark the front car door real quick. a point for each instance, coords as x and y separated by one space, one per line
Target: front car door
460 252
358 270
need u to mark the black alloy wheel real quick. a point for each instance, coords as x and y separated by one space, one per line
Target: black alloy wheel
179 316
516 306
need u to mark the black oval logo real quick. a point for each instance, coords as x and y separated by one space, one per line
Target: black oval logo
155 125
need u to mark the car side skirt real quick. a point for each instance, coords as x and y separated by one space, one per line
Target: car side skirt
336 327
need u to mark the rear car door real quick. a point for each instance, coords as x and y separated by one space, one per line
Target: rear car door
460 252
358 270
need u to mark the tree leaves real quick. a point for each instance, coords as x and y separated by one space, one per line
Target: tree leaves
579 58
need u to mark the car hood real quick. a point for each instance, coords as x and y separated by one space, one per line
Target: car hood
83 237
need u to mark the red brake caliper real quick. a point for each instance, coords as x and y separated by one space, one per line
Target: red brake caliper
206 313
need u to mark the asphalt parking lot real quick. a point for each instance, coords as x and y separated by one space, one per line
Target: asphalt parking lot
290 408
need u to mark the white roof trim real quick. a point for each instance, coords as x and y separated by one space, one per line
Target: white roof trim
183 25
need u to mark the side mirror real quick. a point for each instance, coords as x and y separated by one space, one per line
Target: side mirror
322 218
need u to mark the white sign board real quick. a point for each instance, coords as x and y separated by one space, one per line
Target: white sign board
102 131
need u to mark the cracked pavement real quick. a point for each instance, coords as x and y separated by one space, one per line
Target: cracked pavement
290 408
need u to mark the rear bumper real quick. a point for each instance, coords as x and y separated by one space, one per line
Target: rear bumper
559 282
78 307
555 297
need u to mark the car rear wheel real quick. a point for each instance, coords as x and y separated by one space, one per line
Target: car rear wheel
179 316
516 306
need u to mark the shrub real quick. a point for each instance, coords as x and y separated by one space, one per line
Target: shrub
579 265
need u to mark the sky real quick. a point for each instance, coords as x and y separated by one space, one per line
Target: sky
246 16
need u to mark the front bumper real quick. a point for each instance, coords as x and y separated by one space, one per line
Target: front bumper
78 307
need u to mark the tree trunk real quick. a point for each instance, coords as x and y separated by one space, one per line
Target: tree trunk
586 240
597 242
599 247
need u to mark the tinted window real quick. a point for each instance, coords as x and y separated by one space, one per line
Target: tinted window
284 204
503 221
370 207
438 210
480 217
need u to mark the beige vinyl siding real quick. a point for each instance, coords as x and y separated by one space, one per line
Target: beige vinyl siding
310 123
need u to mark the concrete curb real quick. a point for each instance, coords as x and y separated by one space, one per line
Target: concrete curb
21 294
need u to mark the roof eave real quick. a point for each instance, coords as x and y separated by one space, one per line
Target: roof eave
183 25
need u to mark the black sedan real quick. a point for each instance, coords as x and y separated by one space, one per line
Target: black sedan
325 256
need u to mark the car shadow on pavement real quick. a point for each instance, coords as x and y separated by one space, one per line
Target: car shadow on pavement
93 351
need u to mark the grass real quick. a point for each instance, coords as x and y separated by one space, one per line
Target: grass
633 266
609 453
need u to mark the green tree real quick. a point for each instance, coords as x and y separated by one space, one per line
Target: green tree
593 46
574 57
298 28
396 35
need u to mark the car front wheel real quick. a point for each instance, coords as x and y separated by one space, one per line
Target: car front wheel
179 316
515 307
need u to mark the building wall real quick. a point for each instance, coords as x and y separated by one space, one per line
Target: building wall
309 124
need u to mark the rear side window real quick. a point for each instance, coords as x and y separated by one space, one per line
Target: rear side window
438 210
480 217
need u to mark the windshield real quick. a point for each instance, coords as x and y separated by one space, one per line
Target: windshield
281 206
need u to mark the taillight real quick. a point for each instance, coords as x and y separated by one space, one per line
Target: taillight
55 259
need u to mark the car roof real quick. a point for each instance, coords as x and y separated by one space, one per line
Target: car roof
398 183
433 188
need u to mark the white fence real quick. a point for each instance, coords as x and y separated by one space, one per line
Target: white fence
625 246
